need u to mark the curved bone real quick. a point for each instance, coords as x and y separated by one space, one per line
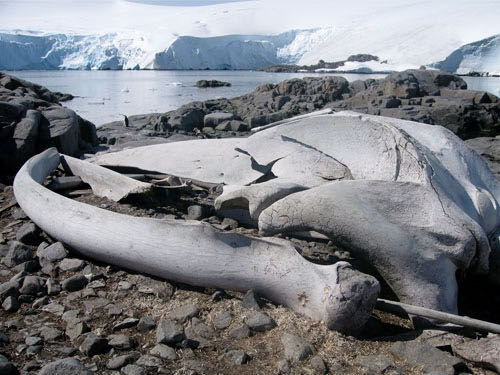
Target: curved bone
418 258
197 254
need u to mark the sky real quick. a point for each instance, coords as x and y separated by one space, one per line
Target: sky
186 3
404 30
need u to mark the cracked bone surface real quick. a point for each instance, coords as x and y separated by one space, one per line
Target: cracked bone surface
196 253
412 199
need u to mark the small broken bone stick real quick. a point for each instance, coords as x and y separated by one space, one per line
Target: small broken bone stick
196 253
464 321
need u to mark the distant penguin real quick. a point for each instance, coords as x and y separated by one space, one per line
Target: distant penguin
125 121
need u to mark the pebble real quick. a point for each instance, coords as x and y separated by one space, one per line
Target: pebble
228 223
4 249
10 304
18 253
93 344
318 364
18 214
427 357
75 328
194 340
33 340
4 339
96 284
169 332
70 315
34 350
218 295
133 370
259 321
65 366
146 323
376 364
33 285
121 342
125 285
10 288
240 332
283 366
148 361
222 320
50 333
120 361
202 329
52 253
235 357
29 234
74 283
250 301
195 212
40 302
165 352
295 348
71 264
183 313
54 308
484 352
127 323
53 287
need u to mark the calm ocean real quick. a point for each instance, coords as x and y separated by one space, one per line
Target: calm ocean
101 96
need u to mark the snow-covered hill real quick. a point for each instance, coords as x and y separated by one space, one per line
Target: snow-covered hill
113 33
481 56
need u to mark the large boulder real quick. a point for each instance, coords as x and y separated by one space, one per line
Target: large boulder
31 119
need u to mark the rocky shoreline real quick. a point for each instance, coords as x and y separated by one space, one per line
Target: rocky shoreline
65 314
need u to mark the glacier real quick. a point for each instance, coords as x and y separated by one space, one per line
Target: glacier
60 51
126 34
482 56
238 51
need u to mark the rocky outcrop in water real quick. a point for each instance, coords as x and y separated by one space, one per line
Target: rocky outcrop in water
32 119
426 96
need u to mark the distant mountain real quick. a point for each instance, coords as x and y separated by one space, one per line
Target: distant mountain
481 56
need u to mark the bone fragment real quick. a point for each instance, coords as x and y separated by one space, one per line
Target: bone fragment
197 254
105 182
209 160
464 321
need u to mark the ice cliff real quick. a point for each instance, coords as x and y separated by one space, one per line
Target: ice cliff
237 51
481 56
60 51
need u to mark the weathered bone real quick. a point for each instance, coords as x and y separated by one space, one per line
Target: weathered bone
105 182
197 254
410 198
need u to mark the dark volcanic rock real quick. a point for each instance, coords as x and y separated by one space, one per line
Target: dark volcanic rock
29 234
295 348
427 357
203 83
31 119
64 367
18 253
484 352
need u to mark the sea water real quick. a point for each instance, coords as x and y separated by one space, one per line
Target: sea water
103 96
